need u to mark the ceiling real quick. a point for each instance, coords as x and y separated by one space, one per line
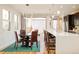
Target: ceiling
42 10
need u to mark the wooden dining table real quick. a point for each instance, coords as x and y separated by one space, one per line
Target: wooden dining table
25 42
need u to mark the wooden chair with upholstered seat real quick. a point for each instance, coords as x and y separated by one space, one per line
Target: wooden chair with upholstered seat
50 42
34 38
17 41
23 37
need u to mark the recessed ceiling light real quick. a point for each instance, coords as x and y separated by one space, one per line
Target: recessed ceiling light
53 16
58 12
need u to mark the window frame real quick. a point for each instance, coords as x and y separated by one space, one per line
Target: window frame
16 22
7 19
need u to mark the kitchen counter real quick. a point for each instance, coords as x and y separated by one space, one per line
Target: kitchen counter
75 32
66 43
62 33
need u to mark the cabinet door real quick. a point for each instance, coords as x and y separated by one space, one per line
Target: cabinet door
71 22
76 20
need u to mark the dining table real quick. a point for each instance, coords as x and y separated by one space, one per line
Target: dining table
25 42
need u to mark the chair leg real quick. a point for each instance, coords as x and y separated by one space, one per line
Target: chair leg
16 45
31 45
37 44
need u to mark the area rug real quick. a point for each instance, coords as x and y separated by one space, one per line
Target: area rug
22 49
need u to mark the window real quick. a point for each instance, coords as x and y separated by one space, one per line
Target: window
38 23
5 14
5 18
15 22
28 22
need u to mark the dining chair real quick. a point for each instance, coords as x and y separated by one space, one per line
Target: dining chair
22 33
23 37
34 38
50 42
17 41
45 37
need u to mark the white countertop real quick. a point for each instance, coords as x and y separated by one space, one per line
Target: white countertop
62 33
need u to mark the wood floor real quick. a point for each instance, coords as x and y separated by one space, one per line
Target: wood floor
23 53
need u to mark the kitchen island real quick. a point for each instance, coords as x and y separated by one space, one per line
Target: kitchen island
66 43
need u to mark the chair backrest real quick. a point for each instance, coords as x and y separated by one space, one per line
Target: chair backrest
16 35
45 35
34 36
22 33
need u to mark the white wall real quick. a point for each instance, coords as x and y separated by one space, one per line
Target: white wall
57 27
8 37
67 44
63 25
48 23
23 23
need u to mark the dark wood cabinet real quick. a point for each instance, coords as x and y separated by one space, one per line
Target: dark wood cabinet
76 20
71 22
